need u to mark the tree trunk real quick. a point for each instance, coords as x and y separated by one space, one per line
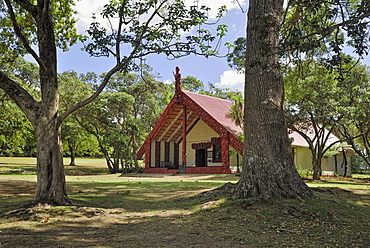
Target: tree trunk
316 167
116 155
72 151
134 148
268 166
316 155
237 163
124 166
108 160
51 184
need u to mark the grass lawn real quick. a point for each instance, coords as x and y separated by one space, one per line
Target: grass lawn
166 211
27 166
83 162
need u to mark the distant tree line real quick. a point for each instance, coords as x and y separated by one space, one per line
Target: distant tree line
114 126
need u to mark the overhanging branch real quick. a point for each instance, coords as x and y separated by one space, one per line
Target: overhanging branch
18 32
19 95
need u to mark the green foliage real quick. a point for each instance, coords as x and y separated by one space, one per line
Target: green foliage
16 132
308 25
304 172
76 141
321 100
306 86
236 58
237 111
24 73
358 164
72 89
224 93
316 29
151 27
192 84
12 47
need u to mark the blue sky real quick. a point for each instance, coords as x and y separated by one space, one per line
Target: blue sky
212 70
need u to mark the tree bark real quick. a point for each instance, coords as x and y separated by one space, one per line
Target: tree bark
268 166
51 184
72 151
316 166
107 159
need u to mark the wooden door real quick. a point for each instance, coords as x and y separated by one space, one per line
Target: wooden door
201 157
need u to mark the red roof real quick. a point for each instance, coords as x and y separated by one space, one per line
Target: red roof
217 108
298 140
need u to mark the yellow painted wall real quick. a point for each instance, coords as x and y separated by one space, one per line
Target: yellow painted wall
328 165
302 159
201 132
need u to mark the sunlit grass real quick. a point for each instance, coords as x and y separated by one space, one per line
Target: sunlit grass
361 176
164 211
93 162
27 166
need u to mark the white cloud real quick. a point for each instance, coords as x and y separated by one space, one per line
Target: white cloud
168 81
86 8
215 5
232 79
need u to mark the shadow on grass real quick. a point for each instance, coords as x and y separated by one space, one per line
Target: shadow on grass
131 196
139 197
331 221
18 170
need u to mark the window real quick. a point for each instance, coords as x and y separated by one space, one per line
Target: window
217 154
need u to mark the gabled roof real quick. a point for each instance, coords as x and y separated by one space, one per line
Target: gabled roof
217 108
212 110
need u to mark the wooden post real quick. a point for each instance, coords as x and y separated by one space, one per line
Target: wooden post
225 150
184 137
147 154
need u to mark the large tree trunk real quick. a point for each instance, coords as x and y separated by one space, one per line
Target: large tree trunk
51 184
268 166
